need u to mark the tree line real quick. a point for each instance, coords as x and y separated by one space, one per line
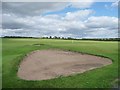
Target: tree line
67 38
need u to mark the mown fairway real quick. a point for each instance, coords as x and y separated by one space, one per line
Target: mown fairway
15 49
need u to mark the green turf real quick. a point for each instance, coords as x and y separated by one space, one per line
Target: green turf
15 49
0 63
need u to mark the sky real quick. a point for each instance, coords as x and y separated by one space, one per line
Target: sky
62 19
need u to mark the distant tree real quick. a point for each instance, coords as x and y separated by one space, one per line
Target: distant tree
55 37
69 38
58 37
62 37
50 37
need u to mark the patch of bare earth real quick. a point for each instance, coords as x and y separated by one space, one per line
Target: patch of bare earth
48 64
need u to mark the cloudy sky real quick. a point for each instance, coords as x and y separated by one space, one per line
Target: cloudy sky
63 19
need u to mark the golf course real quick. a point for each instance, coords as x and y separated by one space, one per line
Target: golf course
14 50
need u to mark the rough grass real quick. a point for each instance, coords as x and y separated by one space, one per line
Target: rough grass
15 49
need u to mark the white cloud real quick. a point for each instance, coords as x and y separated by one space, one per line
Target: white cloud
37 8
32 8
82 4
102 22
74 24
107 6
102 32
79 15
115 4
56 25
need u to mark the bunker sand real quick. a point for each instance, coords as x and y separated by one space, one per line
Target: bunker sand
48 64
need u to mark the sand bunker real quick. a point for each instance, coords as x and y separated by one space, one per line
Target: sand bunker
48 64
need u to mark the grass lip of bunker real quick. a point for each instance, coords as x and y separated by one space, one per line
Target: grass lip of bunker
48 64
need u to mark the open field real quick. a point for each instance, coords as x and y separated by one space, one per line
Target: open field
14 51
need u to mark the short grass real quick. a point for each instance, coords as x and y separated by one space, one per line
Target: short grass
0 63
15 49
